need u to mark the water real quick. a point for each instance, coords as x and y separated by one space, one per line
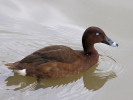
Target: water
26 26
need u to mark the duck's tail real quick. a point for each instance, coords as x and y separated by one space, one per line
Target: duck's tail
11 66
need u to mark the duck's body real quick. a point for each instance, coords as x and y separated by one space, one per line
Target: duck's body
59 61
55 61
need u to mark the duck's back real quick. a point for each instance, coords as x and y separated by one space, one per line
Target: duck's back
52 61
56 53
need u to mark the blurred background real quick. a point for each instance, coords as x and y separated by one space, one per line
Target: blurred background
28 25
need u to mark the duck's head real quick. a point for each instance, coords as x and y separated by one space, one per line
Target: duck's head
94 35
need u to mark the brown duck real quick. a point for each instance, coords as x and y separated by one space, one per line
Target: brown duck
60 61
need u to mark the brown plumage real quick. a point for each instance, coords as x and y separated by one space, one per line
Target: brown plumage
59 61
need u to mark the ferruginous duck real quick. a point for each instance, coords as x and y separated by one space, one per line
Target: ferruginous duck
60 61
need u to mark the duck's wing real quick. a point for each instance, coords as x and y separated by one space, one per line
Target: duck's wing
52 54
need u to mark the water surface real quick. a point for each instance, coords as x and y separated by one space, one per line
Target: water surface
26 26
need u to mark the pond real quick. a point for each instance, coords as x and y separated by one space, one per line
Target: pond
26 26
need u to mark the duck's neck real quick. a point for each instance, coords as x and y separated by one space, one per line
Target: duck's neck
91 56
89 49
88 45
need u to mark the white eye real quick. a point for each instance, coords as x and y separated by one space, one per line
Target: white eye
97 34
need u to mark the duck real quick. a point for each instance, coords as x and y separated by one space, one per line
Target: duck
60 61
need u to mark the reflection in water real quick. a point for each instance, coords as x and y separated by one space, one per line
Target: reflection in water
92 80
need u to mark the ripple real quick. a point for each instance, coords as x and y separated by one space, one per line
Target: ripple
108 65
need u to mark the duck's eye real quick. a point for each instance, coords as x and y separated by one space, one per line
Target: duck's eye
97 34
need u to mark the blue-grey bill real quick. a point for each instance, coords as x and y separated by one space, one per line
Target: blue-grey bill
108 41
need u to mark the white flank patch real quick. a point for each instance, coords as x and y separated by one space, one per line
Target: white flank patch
21 72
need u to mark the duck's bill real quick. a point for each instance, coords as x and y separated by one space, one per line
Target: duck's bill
109 42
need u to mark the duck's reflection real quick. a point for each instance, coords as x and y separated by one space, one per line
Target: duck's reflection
92 80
